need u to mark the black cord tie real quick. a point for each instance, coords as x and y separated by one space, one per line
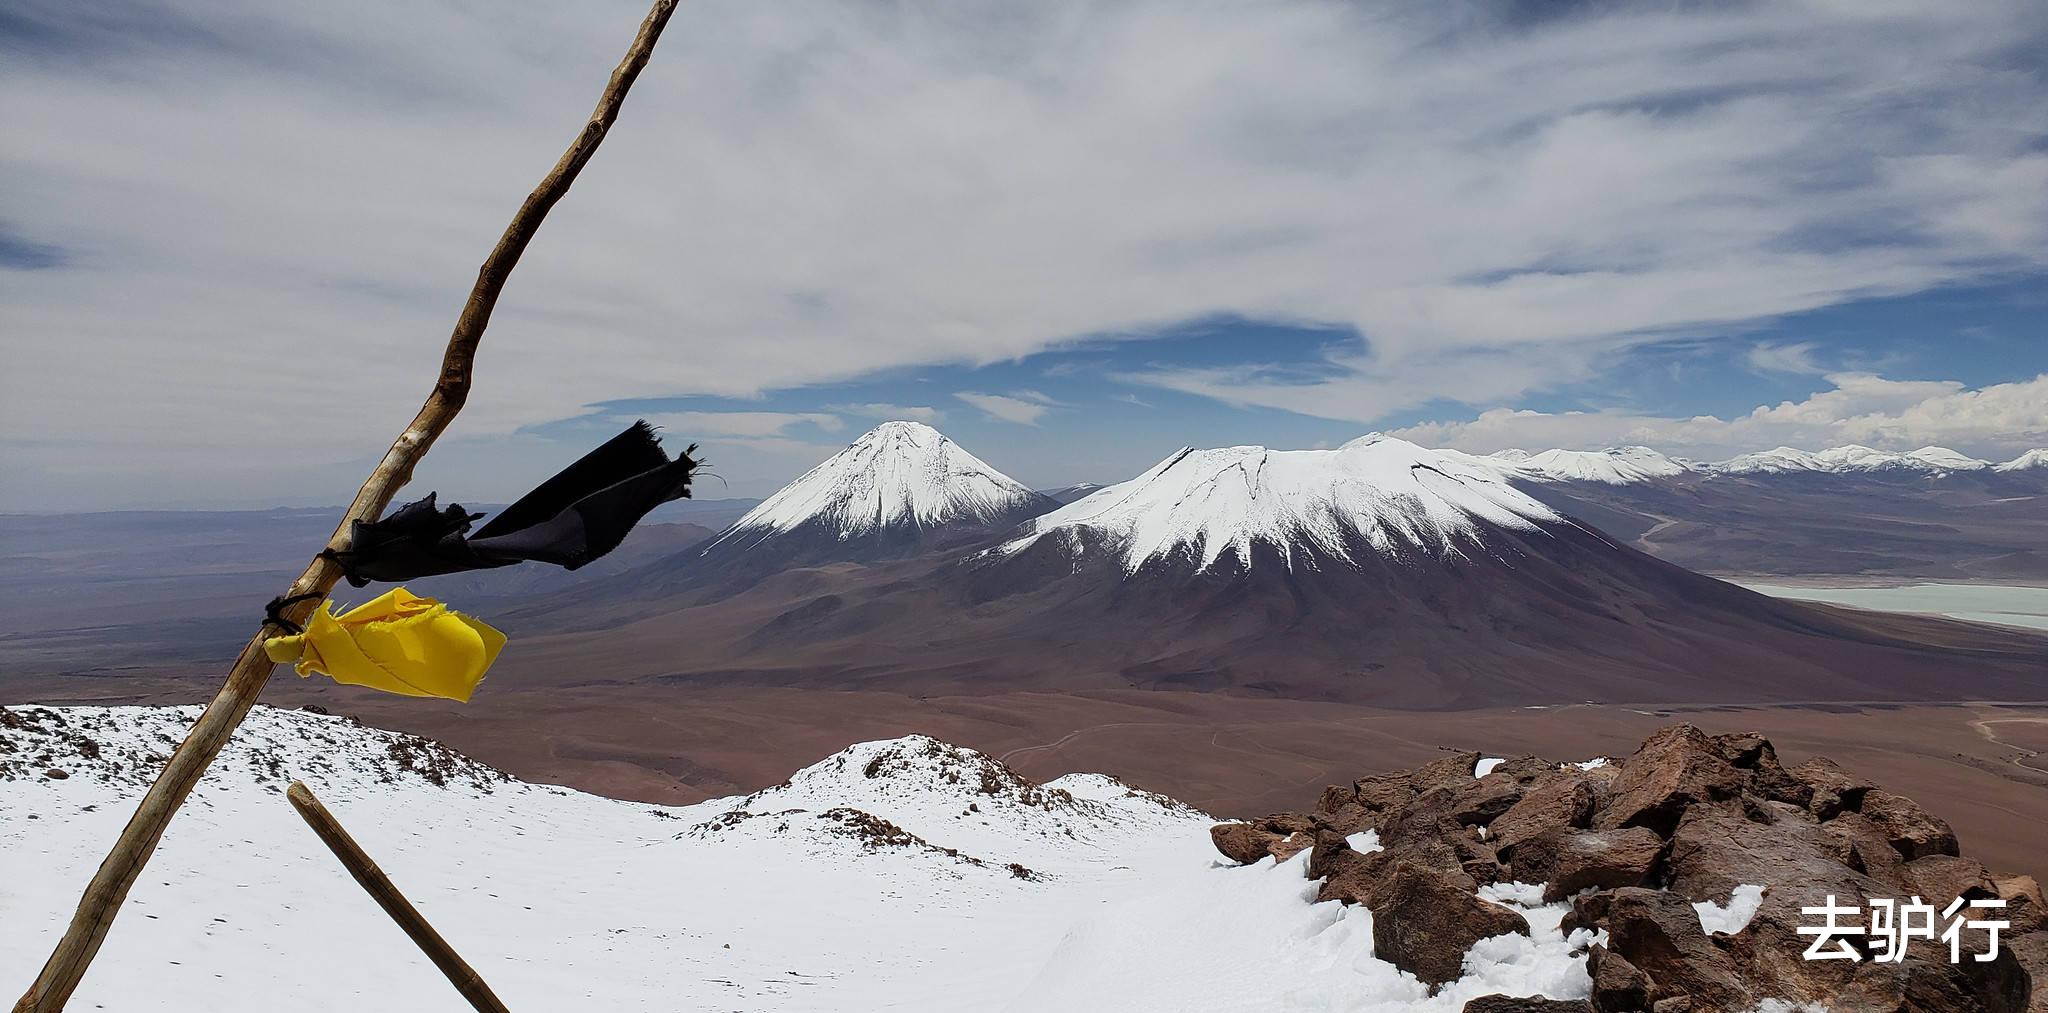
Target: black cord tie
273 613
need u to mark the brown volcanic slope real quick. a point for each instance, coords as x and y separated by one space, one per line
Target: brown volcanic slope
1560 614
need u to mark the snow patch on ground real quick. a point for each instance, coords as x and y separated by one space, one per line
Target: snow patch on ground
1743 903
1252 937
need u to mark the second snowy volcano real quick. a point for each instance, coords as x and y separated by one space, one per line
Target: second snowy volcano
1212 508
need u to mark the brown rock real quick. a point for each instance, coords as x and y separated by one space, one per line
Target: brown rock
1750 751
2030 952
1589 912
1716 849
1241 842
1790 859
1530 1004
1452 770
1383 792
1291 845
1328 845
1568 860
1862 846
1339 810
1914 831
1933 985
1484 800
1835 790
1424 921
1335 797
1354 876
1423 832
1524 767
1659 933
1675 768
1349 819
2024 907
1565 802
1939 879
1285 823
1618 986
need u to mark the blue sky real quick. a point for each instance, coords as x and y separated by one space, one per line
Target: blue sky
1086 411
1075 236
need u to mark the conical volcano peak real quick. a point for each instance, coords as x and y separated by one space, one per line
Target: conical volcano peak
898 478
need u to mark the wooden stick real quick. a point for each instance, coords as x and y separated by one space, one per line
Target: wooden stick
380 887
245 681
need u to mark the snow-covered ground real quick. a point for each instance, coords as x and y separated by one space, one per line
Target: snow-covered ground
897 875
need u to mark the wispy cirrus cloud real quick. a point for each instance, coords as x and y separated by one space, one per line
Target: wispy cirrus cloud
1024 407
883 412
1797 357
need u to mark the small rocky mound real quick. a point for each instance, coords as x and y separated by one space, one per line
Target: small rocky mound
1691 831
919 794
127 747
918 763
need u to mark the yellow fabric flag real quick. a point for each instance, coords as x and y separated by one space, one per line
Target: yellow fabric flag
399 643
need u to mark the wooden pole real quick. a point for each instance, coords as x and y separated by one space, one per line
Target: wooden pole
379 887
117 873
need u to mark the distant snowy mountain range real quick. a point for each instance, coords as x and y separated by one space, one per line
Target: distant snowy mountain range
904 874
904 488
1626 465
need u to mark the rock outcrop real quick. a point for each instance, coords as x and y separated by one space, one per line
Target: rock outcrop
1695 856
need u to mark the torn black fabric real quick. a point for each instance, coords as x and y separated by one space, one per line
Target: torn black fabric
569 520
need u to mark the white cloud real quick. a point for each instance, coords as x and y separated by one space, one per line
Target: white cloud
798 194
1995 421
1789 357
1023 410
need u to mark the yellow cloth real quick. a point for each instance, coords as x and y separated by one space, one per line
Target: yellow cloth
399 643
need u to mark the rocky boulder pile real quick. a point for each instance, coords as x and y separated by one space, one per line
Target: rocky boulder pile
1635 846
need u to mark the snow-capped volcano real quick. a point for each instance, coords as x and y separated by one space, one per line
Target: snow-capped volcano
902 487
1375 494
897 475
